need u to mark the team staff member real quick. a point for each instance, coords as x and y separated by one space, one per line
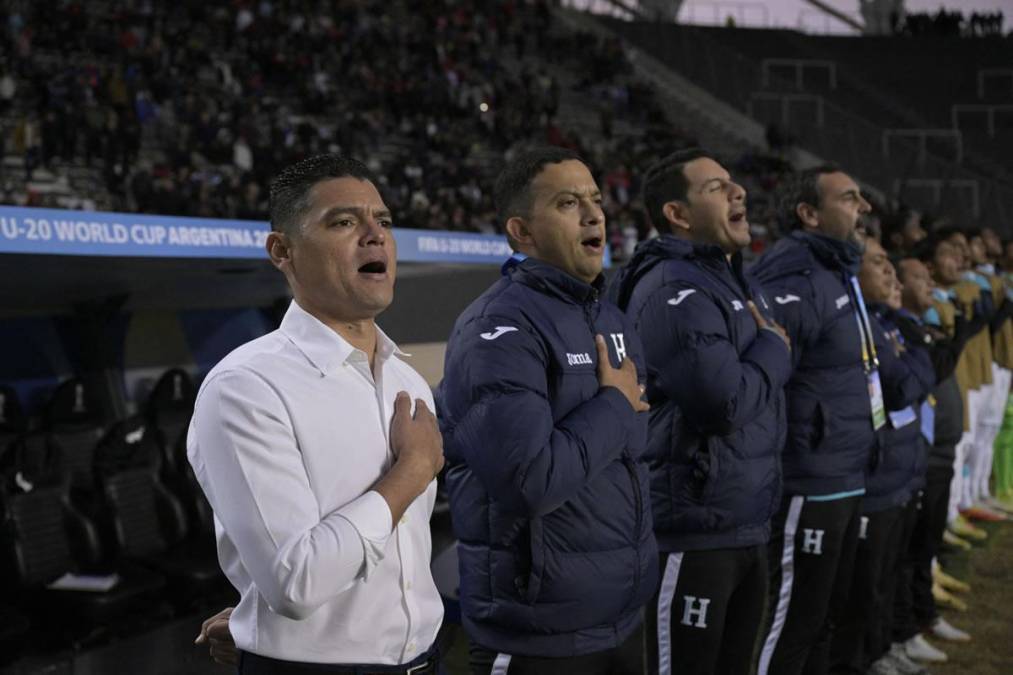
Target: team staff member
862 636
320 476
716 370
834 405
544 427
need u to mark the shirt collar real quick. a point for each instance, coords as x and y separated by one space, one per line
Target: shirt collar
324 347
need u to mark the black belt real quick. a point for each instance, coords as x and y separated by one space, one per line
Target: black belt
254 664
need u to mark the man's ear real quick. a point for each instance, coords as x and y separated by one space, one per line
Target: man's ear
676 216
278 249
518 231
807 215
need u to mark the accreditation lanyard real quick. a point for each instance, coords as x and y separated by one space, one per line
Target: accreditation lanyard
870 360
869 357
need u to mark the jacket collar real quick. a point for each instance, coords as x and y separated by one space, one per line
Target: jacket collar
908 314
669 247
845 256
551 280
324 348
878 309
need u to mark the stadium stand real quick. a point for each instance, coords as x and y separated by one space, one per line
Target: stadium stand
172 132
888 125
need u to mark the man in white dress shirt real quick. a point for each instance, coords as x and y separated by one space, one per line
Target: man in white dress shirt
320 475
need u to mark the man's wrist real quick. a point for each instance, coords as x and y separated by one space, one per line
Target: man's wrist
413 472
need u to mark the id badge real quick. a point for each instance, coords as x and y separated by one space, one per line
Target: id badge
876 400
901 418
929 420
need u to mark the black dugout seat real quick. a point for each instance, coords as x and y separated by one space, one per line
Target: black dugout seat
74 421
146 521
169 408
44 537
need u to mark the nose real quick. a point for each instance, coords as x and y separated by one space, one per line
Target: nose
737 192
863 205
374 233
592 214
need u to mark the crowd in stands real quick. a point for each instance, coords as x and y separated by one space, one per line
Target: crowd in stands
949 24
434 98
426 95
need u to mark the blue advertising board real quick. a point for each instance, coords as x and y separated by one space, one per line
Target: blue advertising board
91 233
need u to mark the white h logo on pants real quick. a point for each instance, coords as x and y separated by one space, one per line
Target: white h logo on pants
695 607
812 541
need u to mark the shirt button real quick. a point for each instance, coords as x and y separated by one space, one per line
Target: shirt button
408 585
404 519
411 646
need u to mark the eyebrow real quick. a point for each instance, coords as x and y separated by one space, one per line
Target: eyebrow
357 211
577 192
856 192
711 180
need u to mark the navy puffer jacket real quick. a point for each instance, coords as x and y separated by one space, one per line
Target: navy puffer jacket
907 377
547 484
830 431
715 383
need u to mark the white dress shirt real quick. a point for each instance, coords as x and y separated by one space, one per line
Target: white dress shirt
288 435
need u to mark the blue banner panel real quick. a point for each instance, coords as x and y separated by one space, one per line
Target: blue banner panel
64 232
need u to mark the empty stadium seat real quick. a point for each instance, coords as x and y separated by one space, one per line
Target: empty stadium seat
147 522
74 421
43 537
168 410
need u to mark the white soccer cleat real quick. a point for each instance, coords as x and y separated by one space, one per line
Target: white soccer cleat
919 649
944 631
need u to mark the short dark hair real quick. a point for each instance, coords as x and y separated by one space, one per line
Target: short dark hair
949 231
512 192
898 265
802 187
666 181
893 222
289 195
972 232
925 250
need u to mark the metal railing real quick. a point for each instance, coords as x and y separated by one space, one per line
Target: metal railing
985 74
784 102
939 188
988 110
798 68
922 137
